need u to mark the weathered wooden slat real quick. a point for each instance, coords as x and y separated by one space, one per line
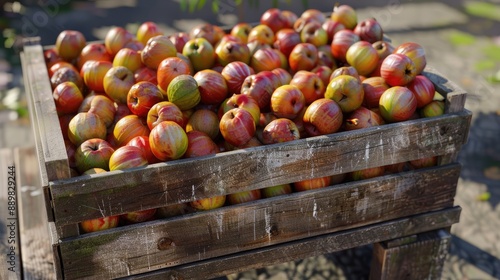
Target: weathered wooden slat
307 247
421 259
36 244
54 237
454 95
45 117
52 157
158 244
161 184
44 180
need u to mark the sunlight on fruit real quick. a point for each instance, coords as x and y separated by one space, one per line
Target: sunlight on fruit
438 96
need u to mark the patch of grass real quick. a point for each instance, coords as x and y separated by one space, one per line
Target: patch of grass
492 52
482 9
461 38
484 65
494 79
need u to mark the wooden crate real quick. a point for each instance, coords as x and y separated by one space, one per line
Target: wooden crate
260 233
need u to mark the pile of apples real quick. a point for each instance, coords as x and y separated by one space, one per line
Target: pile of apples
143 98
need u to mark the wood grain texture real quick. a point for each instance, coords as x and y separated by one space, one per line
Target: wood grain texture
45 116
52 157
454 95
36 243
307 247
36 135
163 243
422 259
156 185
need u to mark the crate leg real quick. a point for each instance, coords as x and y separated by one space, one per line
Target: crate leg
419 256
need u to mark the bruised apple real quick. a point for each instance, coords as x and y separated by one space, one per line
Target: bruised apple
279 131
362 118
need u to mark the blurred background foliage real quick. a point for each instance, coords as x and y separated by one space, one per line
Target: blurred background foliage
193 5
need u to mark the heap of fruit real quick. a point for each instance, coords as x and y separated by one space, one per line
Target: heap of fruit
140 99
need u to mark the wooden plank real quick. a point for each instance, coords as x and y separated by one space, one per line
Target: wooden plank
144 247
157 185
453 157
47 122
454 95
10 248
52 158
422 259
307 247
54 237
44 180
39 145
36 244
